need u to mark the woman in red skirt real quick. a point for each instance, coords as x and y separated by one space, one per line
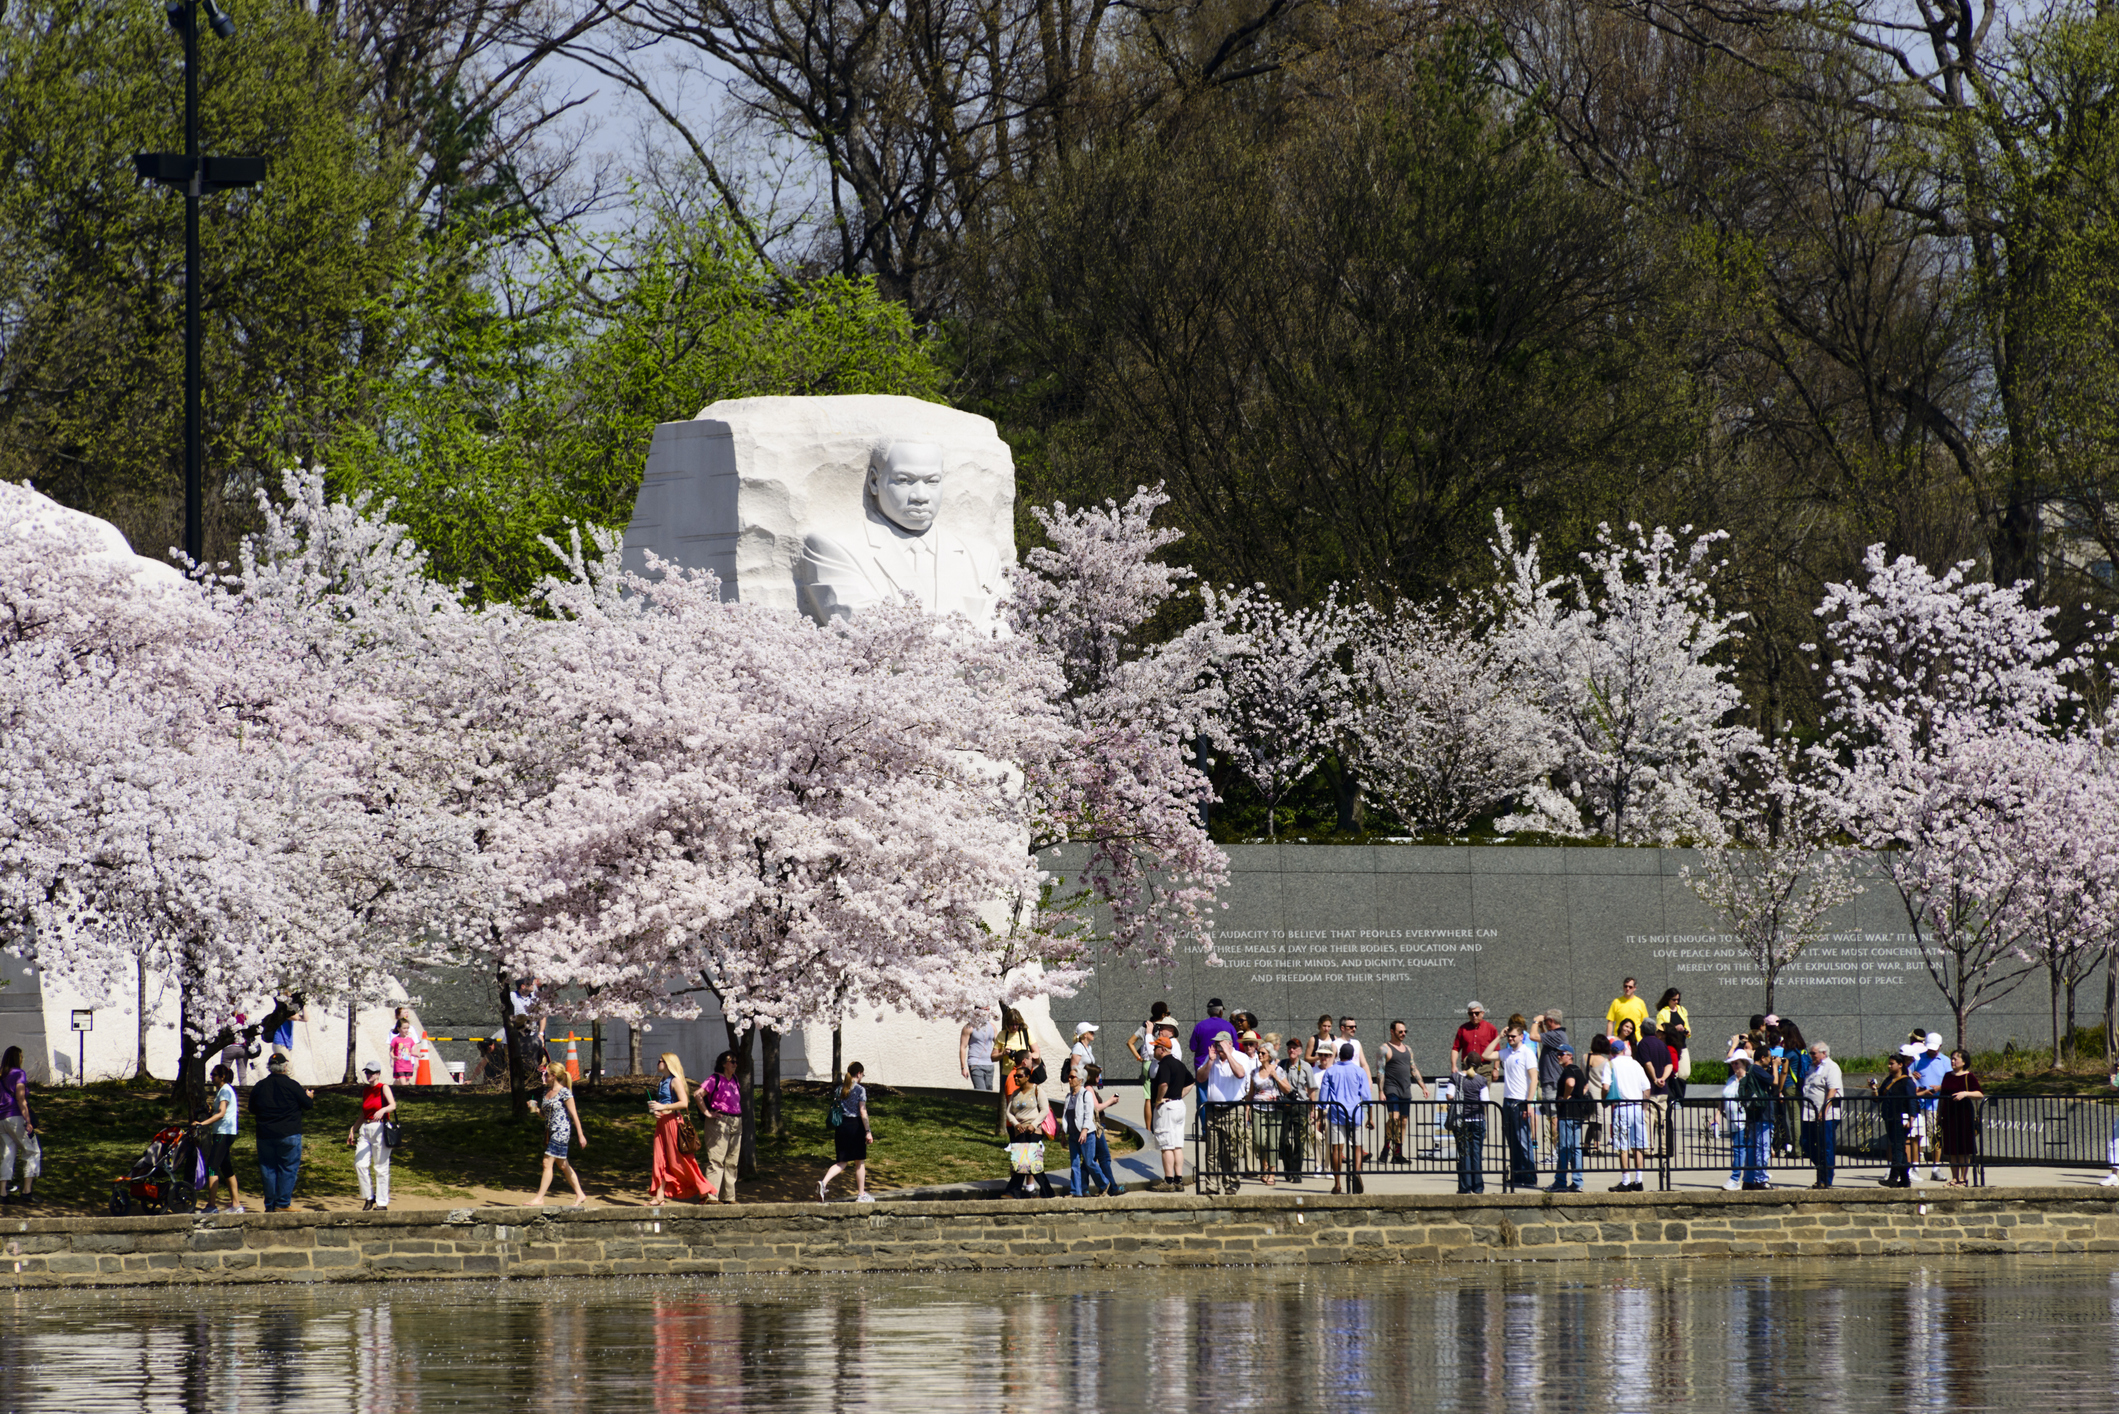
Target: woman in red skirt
673 1173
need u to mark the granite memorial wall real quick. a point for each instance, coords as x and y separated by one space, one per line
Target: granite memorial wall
1413 932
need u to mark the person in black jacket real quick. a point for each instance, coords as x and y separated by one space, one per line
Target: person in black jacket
1755 1091
1899 1099
1572 1108
277 1104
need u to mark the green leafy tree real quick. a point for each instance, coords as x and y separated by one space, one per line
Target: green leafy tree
298 271
1340 332
531 402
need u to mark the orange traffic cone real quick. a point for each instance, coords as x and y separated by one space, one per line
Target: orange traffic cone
425 1073
573 1056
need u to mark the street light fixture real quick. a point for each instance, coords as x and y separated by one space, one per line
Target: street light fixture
197 176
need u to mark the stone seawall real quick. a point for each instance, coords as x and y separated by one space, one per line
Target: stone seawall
492 1244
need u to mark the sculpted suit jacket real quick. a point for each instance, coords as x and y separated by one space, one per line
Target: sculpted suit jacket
940 570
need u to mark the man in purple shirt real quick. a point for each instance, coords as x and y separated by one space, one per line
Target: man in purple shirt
1203 1034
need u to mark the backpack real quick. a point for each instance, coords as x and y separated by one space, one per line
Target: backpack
833 1116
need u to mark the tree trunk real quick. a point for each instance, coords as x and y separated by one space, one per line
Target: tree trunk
2111 1007
191 1076
1346 793
596 1052
774 1121
838 1056
1203 764
353 1013
632 1042
139 1063
747 1160
2053 997
513 1036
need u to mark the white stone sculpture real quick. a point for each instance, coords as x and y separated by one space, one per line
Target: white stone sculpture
828 505
23 508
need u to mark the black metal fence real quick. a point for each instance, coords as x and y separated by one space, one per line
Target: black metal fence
1517 1146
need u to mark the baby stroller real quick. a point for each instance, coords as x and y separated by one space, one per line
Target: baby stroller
166 1178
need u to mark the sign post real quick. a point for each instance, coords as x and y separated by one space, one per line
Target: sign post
84 1022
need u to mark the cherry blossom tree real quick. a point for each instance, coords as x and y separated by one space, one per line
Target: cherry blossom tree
1773 870
1440 724
2070 848
1121 785
1949 757
170 788
1625 661
1951 823
810 819
1281 689
1911 648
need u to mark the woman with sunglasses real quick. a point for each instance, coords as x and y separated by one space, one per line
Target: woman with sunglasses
1027 1116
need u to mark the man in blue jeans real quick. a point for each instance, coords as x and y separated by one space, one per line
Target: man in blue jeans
1573 1108
1468 1109
1755 1101
1821 1095
277 1104
1519 1091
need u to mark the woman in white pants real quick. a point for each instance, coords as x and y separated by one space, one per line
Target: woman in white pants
18 1128
371 1157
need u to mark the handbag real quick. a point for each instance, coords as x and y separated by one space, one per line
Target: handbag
1051 1125
393 1134
687 1137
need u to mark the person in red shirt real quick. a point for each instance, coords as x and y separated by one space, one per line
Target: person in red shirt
1468 1049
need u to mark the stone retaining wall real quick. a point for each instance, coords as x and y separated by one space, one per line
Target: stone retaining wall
500 1243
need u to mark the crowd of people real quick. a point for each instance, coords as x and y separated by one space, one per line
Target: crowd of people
1285 1108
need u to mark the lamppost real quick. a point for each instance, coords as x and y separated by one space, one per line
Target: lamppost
196 175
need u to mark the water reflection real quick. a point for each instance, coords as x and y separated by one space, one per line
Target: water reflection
1959 1334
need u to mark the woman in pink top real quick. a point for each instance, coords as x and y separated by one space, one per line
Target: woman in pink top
404 1052
720 1099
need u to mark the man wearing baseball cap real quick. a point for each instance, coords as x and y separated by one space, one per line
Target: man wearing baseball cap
1572 1107
277 1104
1171 1080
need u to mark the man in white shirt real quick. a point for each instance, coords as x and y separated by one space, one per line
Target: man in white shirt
1821 1093
1347 1027
1519 1086
1224 1091
1629 1120
1928 1070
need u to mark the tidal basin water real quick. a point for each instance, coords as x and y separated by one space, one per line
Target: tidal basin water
1869 1335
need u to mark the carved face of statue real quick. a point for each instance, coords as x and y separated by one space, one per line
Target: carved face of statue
907 484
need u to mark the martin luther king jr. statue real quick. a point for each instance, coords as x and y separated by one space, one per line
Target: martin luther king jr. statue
829 506
902 549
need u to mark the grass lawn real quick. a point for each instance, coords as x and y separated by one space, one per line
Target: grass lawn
462 1149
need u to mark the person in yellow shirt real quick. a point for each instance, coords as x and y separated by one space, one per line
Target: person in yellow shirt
1626 1006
